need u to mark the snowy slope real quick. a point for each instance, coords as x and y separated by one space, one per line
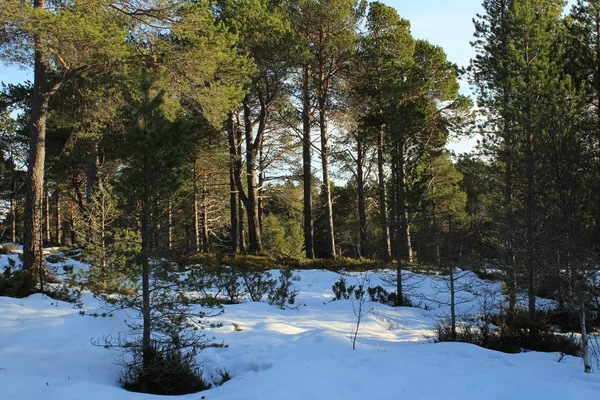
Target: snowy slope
45 353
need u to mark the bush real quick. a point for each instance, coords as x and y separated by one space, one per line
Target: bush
228 283
515 333
56 258
285 292
341 290
18 283
262 262
377 294
7 248
258 284
169 371
570 321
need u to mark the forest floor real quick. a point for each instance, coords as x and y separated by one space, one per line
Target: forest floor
305 352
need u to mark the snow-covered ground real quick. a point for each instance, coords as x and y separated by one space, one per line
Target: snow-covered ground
303 353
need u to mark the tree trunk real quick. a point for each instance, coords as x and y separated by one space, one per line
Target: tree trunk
146 309
393 217
261 182
57 217
385 226
233 191
242 234
170 225
329 232
204 214
233 210
195 210
405 245
33 258
399 292
72 231
46 214
529 225
436 230
13 209
509 254
585 344
452 305
250 200
362 211
307 166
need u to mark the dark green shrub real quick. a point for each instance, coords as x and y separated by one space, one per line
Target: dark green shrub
258 284
341 290
284 292
18 283
55 258
221 377
169 371
516 332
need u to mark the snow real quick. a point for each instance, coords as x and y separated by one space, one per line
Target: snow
302 353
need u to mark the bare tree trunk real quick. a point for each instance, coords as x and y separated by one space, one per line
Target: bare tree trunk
529 225
195 210
57 217
452 304
262 177
146 309
170 225
307 166
33 258
385 226
242 234
403 221
250 200
585 344
399 292
46 214
362 211
329 229
436 233
72 230
233 191
233 209
204 214
393 217
13 209
509 254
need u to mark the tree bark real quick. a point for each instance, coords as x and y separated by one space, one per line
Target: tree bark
204 214
585 345
13 208
33 258
242 234
452 304
529 225
385 225
233 191
329 229
57 217
72 231
250 199
362 211
307 166
146 232
196 222
405 245
46 214
170 225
